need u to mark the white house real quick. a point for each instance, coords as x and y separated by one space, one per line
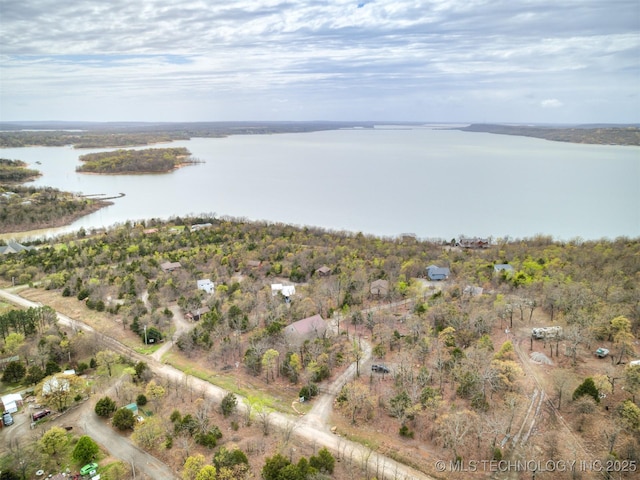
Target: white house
206 285
285 290
11 402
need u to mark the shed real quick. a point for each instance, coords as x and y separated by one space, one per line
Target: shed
503 267
437 273
323 271
11 402
170 266
380 287
133 407
205 285
306 329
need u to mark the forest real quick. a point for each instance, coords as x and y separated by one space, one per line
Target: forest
462 375
152 160
600 135
24 208
15 171
129 134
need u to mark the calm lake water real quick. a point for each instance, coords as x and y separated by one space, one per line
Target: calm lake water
433 183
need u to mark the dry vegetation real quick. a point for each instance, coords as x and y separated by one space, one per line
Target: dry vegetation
462 383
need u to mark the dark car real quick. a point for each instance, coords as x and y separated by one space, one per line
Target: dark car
379 368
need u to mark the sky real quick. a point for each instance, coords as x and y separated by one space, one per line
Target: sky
512 61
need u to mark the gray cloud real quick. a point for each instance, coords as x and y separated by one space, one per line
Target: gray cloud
461 60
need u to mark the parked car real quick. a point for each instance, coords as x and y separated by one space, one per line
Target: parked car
88 468
602 352
7 419
379 368
38 415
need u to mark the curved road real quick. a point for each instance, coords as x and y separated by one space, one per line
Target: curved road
312 430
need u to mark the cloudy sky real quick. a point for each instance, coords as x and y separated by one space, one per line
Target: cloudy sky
568 61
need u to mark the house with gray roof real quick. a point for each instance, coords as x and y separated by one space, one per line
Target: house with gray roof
437 273
305 329
13 247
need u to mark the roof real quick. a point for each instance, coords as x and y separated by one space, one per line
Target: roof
435 271
286 290
306 326
132 406
324 270
168 266
11 398
13 247
503 266
205 284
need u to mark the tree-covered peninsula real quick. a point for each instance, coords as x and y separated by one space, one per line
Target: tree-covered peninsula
152 160
15 171
25 208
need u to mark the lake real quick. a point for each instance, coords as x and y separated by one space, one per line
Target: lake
383 181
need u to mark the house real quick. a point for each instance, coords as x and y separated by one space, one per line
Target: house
285 290
305 329
503 267
200 226
205 285
323 271
11 402
474 242
254 263
380 288
150 231
170 266
437 273
195 315
13 247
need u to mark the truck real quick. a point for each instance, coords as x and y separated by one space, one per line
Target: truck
546 332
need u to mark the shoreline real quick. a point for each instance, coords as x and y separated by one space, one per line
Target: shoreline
58 224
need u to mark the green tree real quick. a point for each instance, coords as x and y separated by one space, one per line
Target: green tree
54 441
630 414
273 466
85 450
106 360
34 375
14 372
13 342
323 462
208 472
124 419
105 407
149 433
229 458
588 387
192 466
269 360
229 404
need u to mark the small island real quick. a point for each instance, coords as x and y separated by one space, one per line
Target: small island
151 160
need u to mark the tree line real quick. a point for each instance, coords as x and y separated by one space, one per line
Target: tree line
152 160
